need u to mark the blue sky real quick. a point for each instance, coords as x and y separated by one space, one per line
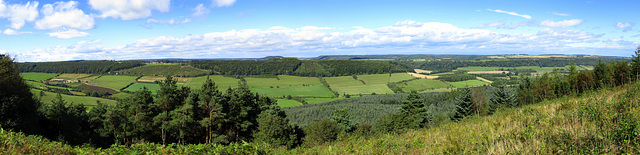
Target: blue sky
142 29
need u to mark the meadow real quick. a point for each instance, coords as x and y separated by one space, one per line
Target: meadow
371 79
300 91
343 81
115 82
222 82
151 79
288 103
139 85
37 76
72 76
282 81
84 100
363 90
468 83
421 85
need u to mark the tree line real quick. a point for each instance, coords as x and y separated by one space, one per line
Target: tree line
447 65
86 67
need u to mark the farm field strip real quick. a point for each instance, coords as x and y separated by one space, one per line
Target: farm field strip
468 83
285 81
301 91
37 76
397 77
72 76
115 82
221 81
422 84
288 103
84 100
343 81
321 100
138 86
365 90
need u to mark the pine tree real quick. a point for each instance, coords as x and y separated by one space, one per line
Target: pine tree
18 108
413 110
210 102
169 98
140 113
342 117
241 113
635 64
465 104
273 127
503 97
182 119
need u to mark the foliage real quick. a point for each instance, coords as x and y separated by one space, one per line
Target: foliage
180 70
17 105
456 77
87 67
37 76
321 132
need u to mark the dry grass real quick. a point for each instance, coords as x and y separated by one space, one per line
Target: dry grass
422 71
423 76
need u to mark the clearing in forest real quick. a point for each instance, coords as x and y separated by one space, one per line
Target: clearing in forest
421 85
116 82
37 76
73 76
84 100
138 86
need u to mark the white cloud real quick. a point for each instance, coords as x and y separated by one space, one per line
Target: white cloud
64 14
561 14
402 37
129 9
10 32
496 24
222 3
19 14
624 26
72 33
511 13
200 10
561 24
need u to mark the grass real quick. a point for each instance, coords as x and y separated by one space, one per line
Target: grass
397 77
121 95
37 76
586 124
343 81
285 81
180 80
301 91
365 90
84 100
468 83
536 68
138 86
164 70
115 82
73 76
288 103
43 86
321 100
221 81
421 85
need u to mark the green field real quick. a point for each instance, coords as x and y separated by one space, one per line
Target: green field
90 78
121 95
468 83
288 103
84 100
321 100
536 68
365 90
138 86
285 81
42 85
221 81
421 85
115 82
37 76
397 77
150 79
306 91
72 76
343 81
164 70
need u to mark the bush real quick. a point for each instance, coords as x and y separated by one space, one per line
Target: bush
321 132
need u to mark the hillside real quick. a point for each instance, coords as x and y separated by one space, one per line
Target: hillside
601 121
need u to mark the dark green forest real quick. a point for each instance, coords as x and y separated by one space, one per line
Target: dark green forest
87 67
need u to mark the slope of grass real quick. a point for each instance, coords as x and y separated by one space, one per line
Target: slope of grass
421 84
365 90
115 82
599 122
221 81
308 91
37 76
288 103
84 100
468 83
343 81
138 86
282 81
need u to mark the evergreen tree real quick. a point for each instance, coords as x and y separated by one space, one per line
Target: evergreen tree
635 64
18 108
321 132
342 117
139 114
413 110
96 118
182 119
169 98
274 129
210 103
503 97
465 104
241 113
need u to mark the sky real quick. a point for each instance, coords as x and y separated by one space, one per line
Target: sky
49 30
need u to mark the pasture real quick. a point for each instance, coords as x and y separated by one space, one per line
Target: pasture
84 100
306 91
421 84
222 82
138 86
365 90
165 70
73 76
288 103
44 86
284 81
116 82
373 79
397 77
468 83
151 79
343 81
37 76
